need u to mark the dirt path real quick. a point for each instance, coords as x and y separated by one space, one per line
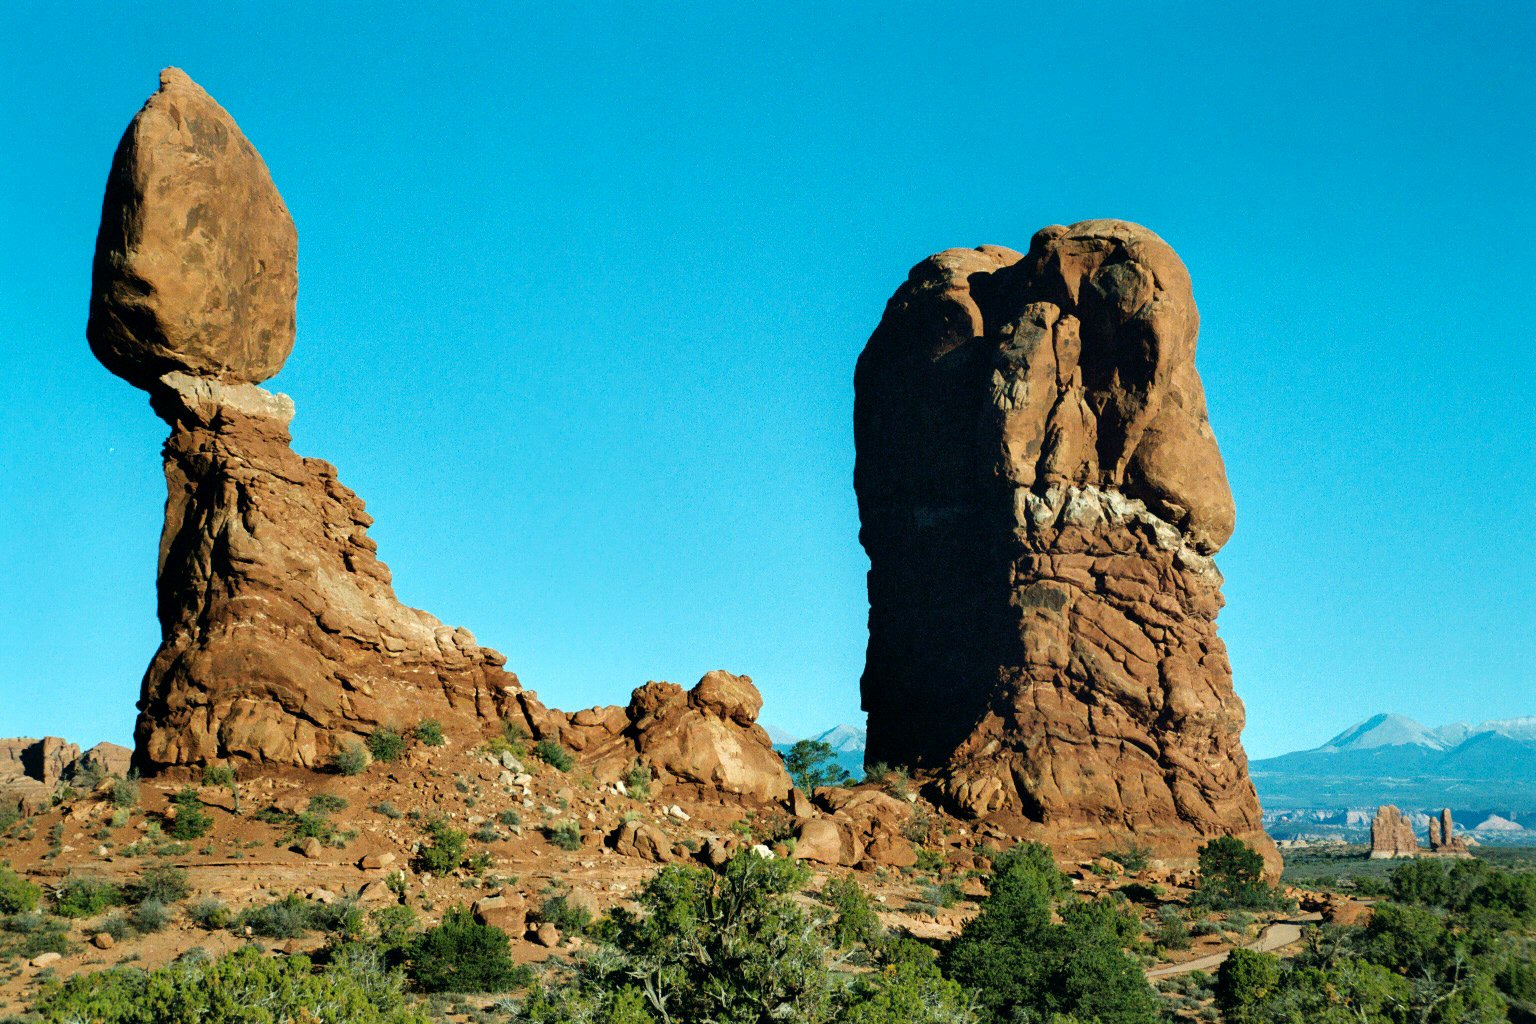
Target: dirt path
1273 937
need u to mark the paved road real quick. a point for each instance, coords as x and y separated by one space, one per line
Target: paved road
1281 933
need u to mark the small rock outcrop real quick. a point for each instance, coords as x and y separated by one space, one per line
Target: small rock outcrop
1443 839
1392 835
1040 496
706 737
31 771
282 639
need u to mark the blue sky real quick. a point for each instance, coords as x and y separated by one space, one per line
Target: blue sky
582 287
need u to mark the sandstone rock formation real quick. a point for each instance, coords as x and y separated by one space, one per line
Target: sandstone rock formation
707 737
1392 835
1443 839
1040 496
31 771
281 635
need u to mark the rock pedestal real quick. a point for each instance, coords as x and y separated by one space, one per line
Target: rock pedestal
1040 496
282 639
1392 835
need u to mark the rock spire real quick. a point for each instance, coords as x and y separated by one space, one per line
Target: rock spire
1040 494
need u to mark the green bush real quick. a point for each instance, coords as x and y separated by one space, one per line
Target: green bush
430 733
83 896
1021 963
218 775
386 745
286 918
462 955
241 988
162 883
1243 981
444 849
564 834
149 916
638 780
1232 877
125 792
855 922
388 809
210 913
812 764
1133 857
510 818
191 821
554 755
17 895
351 759
570 918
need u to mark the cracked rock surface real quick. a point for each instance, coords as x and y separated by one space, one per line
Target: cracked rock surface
1041 495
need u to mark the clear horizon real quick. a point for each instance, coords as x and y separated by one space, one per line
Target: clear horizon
581 293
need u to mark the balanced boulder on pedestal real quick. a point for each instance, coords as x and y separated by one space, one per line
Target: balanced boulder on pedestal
281 638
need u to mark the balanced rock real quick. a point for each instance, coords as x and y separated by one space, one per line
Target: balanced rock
1392 835
281 637
1040 494
197 258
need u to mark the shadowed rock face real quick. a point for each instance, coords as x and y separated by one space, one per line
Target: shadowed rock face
1040 493
281 635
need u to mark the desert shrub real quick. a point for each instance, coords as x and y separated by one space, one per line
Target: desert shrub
17 895
812 764
444 849
486 833
218 775
554 755
930 861
1133 856
38 933
83 896
737 946
351 759
510 818
241 988
191 821
125 792
854 921
210 913
429 732
326 803
564 914
1169 930
564 834
918 826
1021 963
149 916
292 916
1243 981
388 809
386 745
462 955
894 781
163 883
393 924
1232 876
638 780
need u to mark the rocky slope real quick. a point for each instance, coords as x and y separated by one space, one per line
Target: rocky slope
1040 496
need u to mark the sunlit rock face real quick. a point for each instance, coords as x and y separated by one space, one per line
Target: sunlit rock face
1041 495
281 638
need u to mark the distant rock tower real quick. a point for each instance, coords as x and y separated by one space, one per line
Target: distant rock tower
1040 496
1392 835
281 638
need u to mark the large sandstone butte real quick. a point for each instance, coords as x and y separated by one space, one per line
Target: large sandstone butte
281 636
1041 495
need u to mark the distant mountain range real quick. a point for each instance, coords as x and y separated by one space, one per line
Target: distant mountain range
1394 759
846 741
